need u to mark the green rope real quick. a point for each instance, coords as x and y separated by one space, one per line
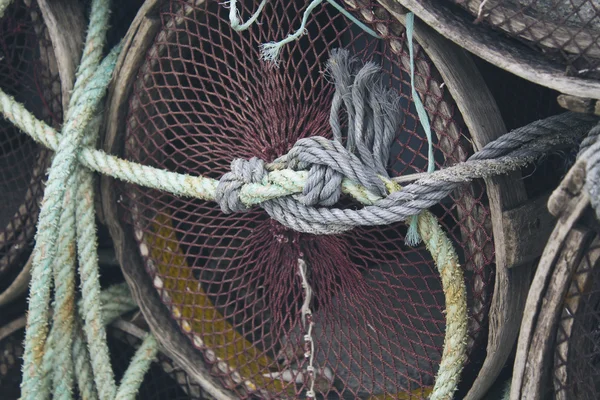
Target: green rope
54 359
270 51
140 363
412 235
64 314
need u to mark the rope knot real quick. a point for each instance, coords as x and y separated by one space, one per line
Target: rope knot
229 187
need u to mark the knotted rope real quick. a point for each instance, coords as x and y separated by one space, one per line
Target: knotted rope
313 174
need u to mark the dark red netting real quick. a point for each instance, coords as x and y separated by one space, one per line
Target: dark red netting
203 98
28 72
565 31
576 370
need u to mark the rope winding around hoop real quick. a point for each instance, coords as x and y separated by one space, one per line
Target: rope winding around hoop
295 190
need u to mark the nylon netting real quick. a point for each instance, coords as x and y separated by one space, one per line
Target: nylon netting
28 72
11 351
203 98
565 31
576 370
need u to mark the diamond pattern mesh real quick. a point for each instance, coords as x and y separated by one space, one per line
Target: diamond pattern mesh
566 31
203 98
28 72
576 373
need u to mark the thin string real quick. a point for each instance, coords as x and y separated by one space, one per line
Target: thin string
412 235
270 51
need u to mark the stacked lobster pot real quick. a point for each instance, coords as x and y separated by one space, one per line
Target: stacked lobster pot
556 46
268 305
372 199
38 60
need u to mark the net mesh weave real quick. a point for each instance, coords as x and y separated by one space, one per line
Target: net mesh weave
28 72
203 98
565 31
576 371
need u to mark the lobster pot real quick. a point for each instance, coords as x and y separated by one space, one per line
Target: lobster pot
553 43
37 68
165 380
560 327
190 96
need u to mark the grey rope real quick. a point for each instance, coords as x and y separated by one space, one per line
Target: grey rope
373 121
590 150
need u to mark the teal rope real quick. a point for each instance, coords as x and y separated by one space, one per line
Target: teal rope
133 377
92 52
87 244
44 253
270 51
83 365
234 17
64 307
116 301
354 20
85 219
412 235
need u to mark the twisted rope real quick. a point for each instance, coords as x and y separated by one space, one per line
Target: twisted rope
314 173
590 151
66 228
513 150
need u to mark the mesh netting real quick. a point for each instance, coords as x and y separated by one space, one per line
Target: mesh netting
28 72
163 381
566 31
576 373
11 351
203 98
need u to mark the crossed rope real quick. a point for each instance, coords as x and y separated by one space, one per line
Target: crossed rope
298 190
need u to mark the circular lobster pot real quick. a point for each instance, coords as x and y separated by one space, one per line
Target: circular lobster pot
165 380
40 45
557 353
191 95
551 43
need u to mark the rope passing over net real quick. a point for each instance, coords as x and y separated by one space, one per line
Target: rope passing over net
298 190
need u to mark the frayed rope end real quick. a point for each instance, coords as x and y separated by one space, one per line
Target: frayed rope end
413 238
269 52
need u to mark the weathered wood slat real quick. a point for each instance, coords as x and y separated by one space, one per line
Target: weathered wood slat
176 346
505 54
568 202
